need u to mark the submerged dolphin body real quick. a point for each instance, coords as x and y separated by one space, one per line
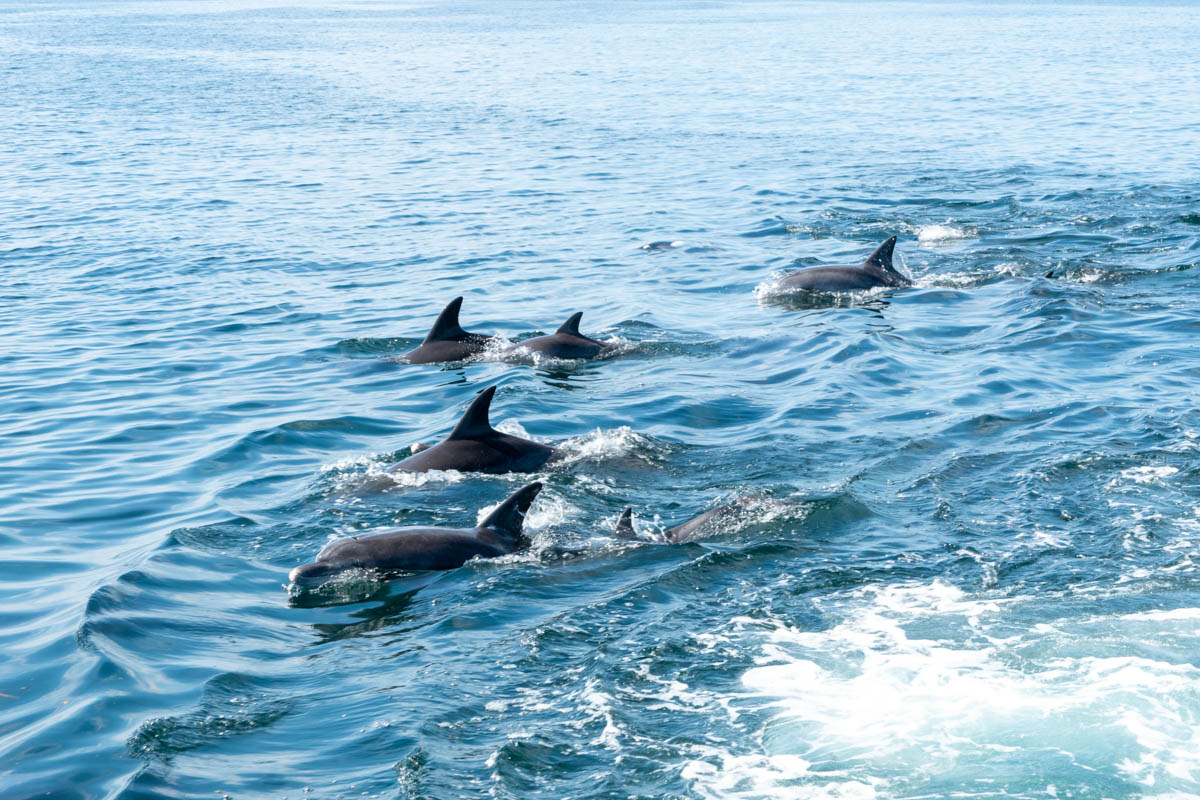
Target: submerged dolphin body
446 340
405 549
566 342
876 271
706 524
475 446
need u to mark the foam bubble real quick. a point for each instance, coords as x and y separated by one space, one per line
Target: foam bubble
1150 474
508 353
769 292
923 679
512 428
371 472
934 235
603 444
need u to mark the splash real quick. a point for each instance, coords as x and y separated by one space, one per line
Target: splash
936 235
920 680
769 293
606 444
371 472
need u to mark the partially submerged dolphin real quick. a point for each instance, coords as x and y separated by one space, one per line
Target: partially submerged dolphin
447 341
566 342
475 446
419 548
706 524
876 271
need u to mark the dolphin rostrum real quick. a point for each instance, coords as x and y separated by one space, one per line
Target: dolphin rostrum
475 446
876 271
447 341
566 342
404 549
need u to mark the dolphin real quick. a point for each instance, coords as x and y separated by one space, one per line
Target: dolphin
877 270
566 342
404 549
706 524
446 340
475 446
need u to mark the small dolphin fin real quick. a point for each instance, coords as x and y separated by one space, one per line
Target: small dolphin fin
882 257
509 516
1050 274
571 326
446 327
624 529
474 424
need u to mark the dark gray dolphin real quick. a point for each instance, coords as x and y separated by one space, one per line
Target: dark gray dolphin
706 524
405 549
447 341
566 342
475 446
876 271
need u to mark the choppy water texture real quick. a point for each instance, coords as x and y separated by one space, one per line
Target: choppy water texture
976 575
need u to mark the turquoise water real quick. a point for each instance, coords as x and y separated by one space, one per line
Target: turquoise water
975 571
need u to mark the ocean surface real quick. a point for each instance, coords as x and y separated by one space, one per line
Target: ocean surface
972 569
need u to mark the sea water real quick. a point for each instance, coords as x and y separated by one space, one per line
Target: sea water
973 572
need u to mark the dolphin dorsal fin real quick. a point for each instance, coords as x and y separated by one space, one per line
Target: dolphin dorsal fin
624 529
474 424
509 516
445 327
882 257
571 326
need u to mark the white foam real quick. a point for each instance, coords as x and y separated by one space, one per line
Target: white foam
516 354
513 428
769 291
371 472
934 235
602 444
922 679
1149 474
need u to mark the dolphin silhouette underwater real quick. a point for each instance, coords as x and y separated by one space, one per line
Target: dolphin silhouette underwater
876 271
447 341
566 342
707 524
425 548
475 446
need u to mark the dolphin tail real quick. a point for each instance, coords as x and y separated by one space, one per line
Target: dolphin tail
624 529
882 257
571 326
509 516
446 327
474 423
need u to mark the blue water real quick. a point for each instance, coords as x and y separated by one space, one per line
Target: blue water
974 572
